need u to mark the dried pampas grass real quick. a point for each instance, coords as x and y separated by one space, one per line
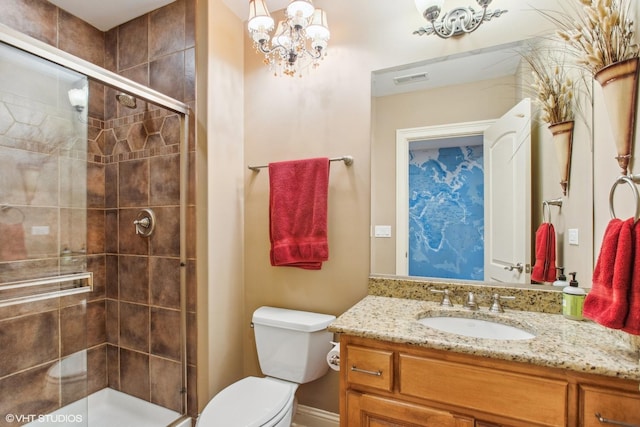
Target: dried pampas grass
552 87
602 33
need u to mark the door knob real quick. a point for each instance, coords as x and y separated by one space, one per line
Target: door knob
512 267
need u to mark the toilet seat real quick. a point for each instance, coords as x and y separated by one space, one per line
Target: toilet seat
250 402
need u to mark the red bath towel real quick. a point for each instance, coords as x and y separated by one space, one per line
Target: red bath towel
544 270
632 323
607 302
12 244
298 213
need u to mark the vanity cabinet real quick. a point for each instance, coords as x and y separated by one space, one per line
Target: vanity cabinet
393 384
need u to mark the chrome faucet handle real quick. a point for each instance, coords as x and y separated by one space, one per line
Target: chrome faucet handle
496 307
446 301
470 303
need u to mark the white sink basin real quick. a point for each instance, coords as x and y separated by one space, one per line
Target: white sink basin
476 328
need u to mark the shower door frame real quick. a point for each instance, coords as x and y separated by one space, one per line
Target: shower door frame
40 49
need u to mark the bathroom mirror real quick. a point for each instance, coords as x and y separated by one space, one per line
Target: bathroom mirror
473 87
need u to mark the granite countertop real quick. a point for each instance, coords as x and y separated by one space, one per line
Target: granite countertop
559 342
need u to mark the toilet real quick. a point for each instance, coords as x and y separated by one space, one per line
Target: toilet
292 346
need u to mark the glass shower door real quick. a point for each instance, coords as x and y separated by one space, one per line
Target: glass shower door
44 281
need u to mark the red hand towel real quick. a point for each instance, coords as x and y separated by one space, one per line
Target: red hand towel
607 303
298 213
632 323
544 270
12 246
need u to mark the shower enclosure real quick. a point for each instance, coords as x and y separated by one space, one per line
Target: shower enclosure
93 254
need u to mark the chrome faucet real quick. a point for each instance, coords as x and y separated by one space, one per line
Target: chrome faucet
495 305
470 303
446 301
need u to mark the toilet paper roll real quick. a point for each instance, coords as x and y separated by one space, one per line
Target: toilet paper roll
333 357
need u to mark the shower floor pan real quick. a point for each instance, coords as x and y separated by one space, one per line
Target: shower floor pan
108 408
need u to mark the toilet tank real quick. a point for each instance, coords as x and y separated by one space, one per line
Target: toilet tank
292 345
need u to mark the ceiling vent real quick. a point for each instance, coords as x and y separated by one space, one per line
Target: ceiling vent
412 78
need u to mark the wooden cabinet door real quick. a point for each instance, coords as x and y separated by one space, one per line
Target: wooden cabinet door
616 407
367 410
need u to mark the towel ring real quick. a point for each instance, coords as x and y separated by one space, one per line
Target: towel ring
636 196
546 208
5 208
546 212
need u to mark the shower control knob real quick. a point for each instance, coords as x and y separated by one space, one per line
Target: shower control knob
145 222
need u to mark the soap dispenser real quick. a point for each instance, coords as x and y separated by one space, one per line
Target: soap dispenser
562 279
573 299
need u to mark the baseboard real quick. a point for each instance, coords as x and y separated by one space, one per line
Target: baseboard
307 416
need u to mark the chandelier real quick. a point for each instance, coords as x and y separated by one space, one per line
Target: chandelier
458 21
300 39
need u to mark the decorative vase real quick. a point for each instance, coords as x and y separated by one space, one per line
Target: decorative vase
563 141
619 82
30 175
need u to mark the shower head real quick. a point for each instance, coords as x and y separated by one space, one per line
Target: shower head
126 100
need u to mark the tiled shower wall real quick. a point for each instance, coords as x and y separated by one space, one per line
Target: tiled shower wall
142 274
133 162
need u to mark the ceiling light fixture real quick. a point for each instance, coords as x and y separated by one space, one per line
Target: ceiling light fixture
300 40
457 21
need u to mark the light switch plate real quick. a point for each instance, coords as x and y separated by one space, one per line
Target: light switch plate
40 230
382 231
573 236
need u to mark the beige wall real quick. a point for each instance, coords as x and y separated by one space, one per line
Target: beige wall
577 205
606 168
219 174
282 122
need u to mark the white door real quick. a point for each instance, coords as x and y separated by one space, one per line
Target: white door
507 234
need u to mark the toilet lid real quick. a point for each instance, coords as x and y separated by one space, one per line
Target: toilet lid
250 402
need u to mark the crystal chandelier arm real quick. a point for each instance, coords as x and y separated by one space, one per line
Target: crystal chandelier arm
315 53
263 47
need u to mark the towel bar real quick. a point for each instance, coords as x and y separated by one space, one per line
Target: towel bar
348 160
44 288
630 181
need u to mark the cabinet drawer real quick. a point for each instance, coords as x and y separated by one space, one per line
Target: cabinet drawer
370 367
614 405
518 396
367 410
